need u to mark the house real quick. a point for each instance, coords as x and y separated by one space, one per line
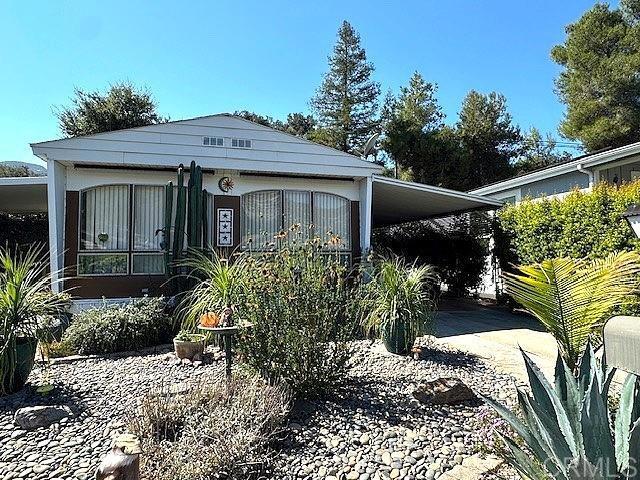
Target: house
106 197
616 165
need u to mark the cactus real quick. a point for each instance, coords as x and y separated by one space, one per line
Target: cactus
178 231
566 428
166 231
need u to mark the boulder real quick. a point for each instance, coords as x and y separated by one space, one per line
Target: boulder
30 418
444 391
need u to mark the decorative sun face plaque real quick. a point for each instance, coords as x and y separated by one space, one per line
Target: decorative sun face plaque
225 227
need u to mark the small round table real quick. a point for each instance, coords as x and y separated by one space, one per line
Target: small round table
227 334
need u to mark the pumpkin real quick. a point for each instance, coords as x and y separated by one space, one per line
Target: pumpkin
209 319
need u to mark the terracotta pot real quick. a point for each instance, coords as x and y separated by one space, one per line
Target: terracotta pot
188 348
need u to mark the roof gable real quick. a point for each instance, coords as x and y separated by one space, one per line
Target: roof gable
185 138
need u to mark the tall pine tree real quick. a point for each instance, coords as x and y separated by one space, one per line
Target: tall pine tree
347 101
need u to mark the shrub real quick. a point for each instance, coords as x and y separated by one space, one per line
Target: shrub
457 248
303 307
213 430
577 226
117 328
24 229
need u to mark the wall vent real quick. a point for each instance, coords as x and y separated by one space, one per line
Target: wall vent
240 143
213 141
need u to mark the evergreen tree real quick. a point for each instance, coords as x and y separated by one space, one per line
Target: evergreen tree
489 140
347 101
538 152
600 82
123 106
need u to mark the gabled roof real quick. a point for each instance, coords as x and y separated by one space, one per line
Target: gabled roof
171 143
584 161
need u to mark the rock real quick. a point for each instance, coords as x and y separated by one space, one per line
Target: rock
444 391
30 418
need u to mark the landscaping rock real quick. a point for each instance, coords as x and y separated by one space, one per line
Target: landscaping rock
444 391
30 418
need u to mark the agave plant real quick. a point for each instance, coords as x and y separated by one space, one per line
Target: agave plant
567 429
573 298
25 295
220 283
401 303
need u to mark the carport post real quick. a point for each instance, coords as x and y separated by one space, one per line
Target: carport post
56 186
366 200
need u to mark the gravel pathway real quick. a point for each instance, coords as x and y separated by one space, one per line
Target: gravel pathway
372 430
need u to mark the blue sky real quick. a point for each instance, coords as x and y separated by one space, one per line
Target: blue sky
202 57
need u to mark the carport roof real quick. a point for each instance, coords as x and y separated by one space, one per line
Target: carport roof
396 201
23 194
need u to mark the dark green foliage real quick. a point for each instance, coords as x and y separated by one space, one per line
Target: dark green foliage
23 229
11 171
457 250
118 328
538 152
579 225
297 123
599 82
346 103
123 106
303 310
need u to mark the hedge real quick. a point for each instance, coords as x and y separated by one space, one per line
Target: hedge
578 225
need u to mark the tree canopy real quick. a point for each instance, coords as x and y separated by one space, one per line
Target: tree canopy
346 103
122 106
600 80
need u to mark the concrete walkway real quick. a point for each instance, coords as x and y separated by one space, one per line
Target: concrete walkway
494 335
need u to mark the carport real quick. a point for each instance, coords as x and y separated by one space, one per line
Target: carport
23 194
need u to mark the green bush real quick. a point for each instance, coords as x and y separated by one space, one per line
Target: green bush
118 328
577 226
303 306
457 249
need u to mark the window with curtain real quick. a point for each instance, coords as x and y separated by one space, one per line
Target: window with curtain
332 220
261 218
264 214
148 218
104 227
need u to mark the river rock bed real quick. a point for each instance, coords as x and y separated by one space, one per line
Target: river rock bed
372 429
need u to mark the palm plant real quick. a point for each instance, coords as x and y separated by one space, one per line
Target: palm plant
573 298
400 303
566 429
25 295
220 283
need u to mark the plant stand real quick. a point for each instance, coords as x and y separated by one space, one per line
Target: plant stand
227 334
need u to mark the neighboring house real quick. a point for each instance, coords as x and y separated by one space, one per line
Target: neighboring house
615 166
106 197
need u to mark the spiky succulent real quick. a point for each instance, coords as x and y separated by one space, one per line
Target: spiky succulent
567 428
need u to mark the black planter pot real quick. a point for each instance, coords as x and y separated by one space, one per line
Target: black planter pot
25 357
398 340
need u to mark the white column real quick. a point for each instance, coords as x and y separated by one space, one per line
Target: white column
56 188
366 196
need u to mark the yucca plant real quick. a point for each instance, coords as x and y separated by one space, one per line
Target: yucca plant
220 282
400 303
567 429
25 295
573 298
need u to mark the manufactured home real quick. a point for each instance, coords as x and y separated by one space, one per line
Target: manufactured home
106 197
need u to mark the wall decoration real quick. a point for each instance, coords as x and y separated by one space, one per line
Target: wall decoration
225 227
225 184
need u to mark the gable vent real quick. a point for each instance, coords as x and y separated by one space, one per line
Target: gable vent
240 143
213 141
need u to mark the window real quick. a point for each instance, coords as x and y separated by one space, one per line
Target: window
265 214
240 143
213 141
104 227
148 220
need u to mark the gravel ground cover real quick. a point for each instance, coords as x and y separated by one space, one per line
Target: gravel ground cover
372 429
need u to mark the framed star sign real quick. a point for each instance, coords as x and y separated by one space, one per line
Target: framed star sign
225 227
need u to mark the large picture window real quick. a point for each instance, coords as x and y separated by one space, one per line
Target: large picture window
265 214
148 219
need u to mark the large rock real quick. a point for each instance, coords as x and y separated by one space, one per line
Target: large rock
444 391
30 418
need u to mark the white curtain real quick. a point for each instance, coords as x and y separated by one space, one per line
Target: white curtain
296 211
332 220
148 216
261 218
105 218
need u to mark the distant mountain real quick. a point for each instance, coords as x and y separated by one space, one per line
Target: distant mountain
34 170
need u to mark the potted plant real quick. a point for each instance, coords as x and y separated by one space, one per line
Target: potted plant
25 296
188 345
400 303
